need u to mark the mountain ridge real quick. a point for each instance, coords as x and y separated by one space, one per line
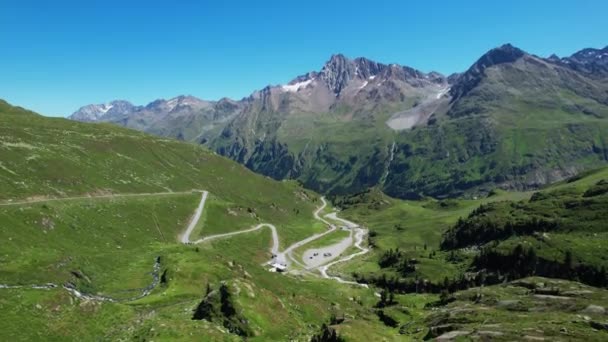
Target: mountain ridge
357 123
372 68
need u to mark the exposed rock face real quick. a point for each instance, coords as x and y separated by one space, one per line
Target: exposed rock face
339 71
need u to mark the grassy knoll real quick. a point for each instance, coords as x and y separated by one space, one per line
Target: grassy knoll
52 157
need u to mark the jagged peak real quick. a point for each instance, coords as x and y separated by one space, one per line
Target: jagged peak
340 70
337 57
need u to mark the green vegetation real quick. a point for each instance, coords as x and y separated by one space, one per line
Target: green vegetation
528 309
138 199
113 202
454 246
219 306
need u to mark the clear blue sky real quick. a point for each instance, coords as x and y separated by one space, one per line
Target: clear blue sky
58 55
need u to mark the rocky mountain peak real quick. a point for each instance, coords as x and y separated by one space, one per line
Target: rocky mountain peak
162 105
94 112
337 72
340 70
506 53
589 54
365 68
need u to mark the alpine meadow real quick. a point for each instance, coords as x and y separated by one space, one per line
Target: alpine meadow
363 200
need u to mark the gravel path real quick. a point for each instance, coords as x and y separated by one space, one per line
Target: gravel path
197 215
360 234
281 258
45 199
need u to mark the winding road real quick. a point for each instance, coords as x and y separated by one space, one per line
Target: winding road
283 258
280 258
360 234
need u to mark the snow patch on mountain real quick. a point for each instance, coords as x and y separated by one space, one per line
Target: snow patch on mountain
296 86
105 108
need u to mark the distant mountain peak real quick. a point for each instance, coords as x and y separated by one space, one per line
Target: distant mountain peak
336 57
162 105
590 62
506 53
94 112
339 70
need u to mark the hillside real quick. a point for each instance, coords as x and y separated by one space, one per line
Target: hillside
357 123
91 217
93 249
484 257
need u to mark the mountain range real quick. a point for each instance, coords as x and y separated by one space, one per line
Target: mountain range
512 120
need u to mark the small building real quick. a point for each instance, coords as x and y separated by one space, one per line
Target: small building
279 267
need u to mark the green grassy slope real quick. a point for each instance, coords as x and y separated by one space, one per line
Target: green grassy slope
108 245
51 157
415 234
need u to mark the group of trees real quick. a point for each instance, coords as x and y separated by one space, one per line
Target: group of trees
523 262
480 230
326 334
417 285
491 267
387 298
218 306
398 260
390 258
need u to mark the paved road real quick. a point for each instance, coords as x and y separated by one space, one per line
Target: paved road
315 257
311 238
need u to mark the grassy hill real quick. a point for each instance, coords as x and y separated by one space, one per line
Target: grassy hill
97 206
462 249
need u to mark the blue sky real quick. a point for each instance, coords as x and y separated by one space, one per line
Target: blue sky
59 55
